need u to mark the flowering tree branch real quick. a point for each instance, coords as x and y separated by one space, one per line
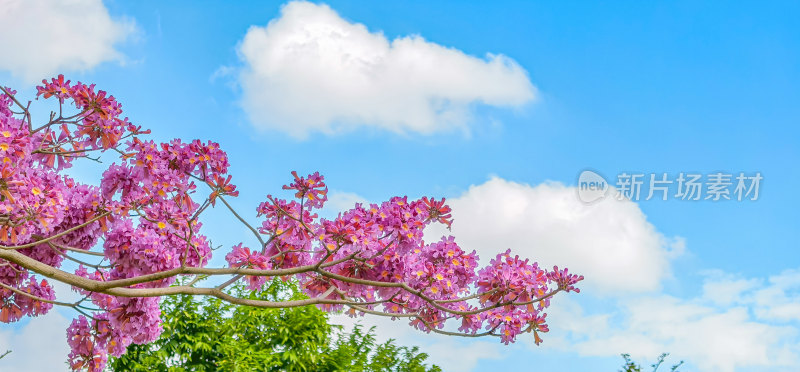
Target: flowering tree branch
141 229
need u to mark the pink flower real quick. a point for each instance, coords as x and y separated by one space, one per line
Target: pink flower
312 188
242 257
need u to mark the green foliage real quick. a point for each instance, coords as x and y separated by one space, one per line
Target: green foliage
359 352
630 366
209 334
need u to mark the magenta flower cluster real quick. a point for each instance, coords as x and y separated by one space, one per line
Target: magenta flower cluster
144 221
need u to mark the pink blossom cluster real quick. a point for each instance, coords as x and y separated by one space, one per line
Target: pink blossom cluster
37 201
91 341
243 257
15 306
144 219
384 244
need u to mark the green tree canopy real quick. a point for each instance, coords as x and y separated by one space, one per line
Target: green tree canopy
208 334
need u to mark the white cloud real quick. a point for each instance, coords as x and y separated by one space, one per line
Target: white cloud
711 339
777 299
735 324
311 70
38 346
610 242
43 38
727 291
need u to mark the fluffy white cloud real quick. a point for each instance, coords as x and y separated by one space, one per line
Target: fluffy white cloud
38 346
42 38
776 299
711 339
311 70
735 324
610 242
728 291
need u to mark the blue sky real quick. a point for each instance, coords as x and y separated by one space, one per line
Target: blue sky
525 96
